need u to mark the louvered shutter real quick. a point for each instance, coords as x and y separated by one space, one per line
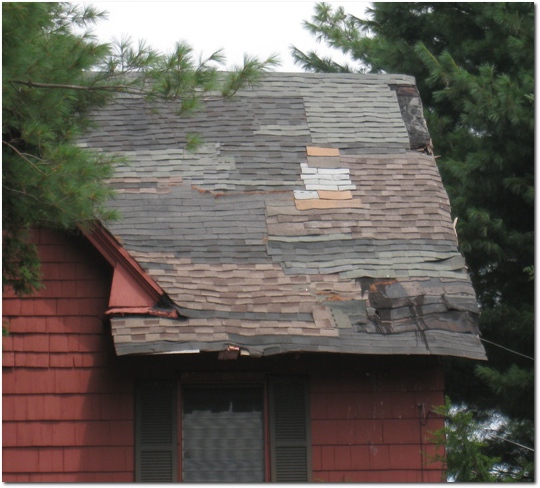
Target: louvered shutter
155 421
289 430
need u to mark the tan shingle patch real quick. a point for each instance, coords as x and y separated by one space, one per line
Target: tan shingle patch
335 195
325 204
322 151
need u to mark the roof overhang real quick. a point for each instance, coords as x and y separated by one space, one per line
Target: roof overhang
347 341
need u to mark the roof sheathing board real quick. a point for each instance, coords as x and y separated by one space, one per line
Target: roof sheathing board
223 230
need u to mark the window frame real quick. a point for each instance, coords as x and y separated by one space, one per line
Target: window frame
266 384
261 392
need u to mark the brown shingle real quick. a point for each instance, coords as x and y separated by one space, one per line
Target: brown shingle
220 230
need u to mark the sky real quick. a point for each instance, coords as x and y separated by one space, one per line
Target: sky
259 28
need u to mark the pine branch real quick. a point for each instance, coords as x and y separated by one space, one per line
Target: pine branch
21 193
512 442
24 156
114 88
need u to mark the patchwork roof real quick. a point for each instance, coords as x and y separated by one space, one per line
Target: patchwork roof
312 218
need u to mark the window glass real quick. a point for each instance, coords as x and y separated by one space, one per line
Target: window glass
223 434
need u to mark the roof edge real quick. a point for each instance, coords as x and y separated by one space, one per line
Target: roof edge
139 288
413 343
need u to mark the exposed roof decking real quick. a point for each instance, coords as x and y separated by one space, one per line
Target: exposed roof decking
257 242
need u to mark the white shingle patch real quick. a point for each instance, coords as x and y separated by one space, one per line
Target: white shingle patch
323 187
310 181
305 195
330 179
341 178
332 171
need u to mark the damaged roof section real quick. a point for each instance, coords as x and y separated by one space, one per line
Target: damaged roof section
311 219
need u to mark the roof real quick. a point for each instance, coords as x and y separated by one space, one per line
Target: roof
312 218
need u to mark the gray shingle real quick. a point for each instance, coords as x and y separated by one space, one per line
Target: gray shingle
219 230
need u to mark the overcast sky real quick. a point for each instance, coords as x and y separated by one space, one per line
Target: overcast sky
254 27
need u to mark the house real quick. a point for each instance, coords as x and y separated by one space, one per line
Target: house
273 306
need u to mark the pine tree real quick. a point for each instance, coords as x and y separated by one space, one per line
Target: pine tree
54 72
474 66
475 450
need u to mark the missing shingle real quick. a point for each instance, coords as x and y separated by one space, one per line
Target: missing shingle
348 313
340 318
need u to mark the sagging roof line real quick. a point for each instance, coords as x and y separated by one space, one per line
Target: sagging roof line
243 268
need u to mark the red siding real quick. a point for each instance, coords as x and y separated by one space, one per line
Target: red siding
67 406
369 428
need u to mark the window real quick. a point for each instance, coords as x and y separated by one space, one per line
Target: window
217 432
223 434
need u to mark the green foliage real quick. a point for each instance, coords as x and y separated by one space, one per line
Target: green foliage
516 384
466 458
20 265
476 449
54 74
46 178
474 68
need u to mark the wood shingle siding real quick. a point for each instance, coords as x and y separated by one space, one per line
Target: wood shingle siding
67 409
367 426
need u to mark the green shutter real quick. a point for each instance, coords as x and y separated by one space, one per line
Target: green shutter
155 430
289 430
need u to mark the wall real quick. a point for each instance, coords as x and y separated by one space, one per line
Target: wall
67 410
68 401
366 424
368 427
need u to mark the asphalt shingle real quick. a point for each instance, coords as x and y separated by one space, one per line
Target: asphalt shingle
310 219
